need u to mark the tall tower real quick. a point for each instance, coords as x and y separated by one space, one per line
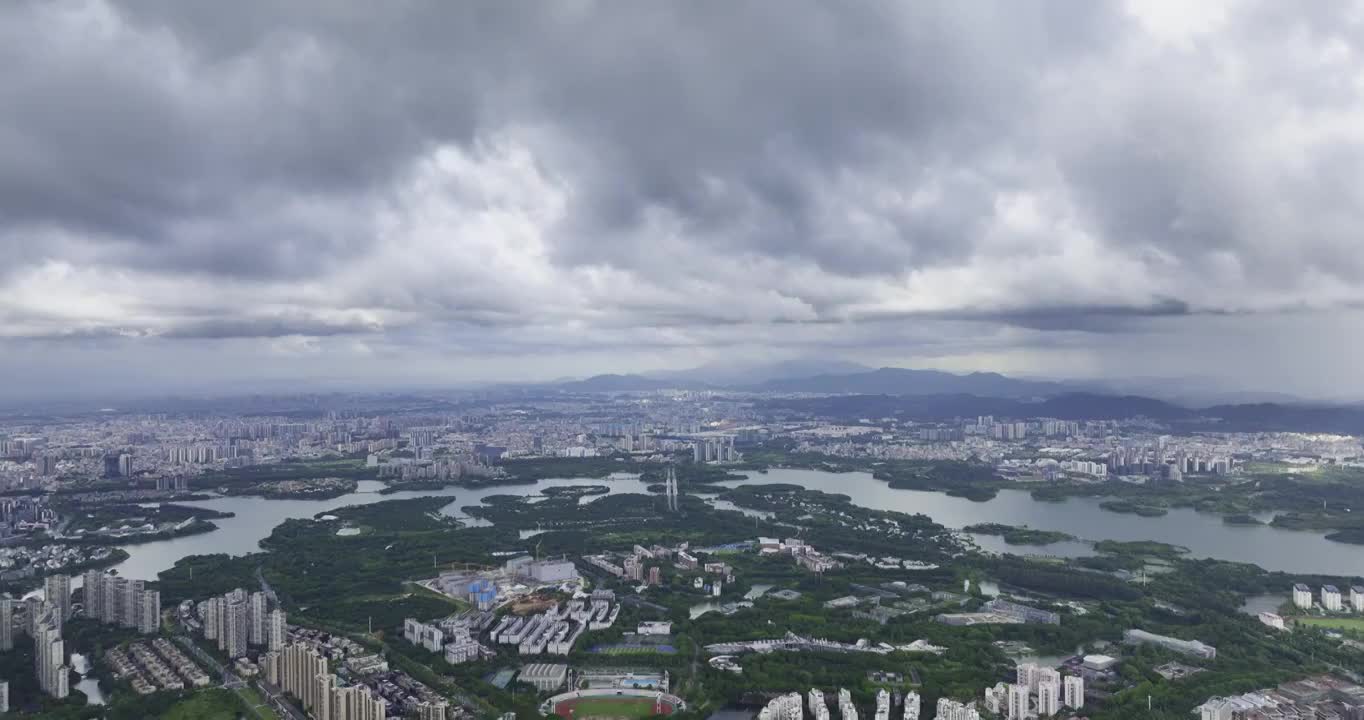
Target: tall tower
57 589
1075 692
49 656
132 606
149 611
1048 698
1018 702
275 630
256 619
6 624
670 486
93 607
236 633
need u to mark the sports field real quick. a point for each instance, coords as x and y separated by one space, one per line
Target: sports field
632 649
610 707
1340 623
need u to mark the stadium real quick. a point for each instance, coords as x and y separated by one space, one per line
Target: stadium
608 703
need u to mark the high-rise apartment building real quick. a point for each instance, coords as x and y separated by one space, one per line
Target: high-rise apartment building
276 634
116 600
1048 698
7 624
1018 701
323 691
49 656
149 611
93 604
111 610
132 596
256 617
211 616
295 670
357 702
1028 675
1074 692
57 590
235 633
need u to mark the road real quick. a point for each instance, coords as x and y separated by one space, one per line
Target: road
276 698
230 680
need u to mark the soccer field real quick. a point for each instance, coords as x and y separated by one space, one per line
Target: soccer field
1340 623
603 708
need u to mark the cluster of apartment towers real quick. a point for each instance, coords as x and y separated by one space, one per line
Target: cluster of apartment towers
1039 692
236 620
111 600
302 672
792 707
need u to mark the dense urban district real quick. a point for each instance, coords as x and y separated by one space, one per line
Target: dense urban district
607 552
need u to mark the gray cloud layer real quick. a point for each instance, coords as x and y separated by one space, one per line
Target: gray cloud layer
493 176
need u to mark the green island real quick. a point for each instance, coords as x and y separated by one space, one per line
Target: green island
130 524
575 491
417 486
1015 535
324 488
1241 519
1353 536
1133 508
1320 500
315 479
1147 548
529 470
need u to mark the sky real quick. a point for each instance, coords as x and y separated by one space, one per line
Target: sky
308 193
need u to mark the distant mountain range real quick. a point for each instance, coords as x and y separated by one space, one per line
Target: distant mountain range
619 383
853 392
1254 417
858 381
744 375
833 377
900 381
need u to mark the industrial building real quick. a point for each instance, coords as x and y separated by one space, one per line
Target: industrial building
546 677
1187 647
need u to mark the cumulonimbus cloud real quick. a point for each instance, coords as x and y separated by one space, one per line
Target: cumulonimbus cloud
264 168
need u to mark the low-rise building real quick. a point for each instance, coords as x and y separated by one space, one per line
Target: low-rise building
655 627
1187 647
545 677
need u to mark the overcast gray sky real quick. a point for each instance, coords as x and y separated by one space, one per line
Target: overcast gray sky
205 193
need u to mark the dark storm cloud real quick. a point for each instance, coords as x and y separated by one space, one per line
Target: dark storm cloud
1087 318
273 327
696 173
724 115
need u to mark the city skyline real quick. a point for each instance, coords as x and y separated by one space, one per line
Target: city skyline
275 195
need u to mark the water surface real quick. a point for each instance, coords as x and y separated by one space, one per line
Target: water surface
1204 534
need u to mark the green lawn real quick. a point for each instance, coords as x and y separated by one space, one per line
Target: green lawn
254 699
419 591
1340 623
613 708
206 705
